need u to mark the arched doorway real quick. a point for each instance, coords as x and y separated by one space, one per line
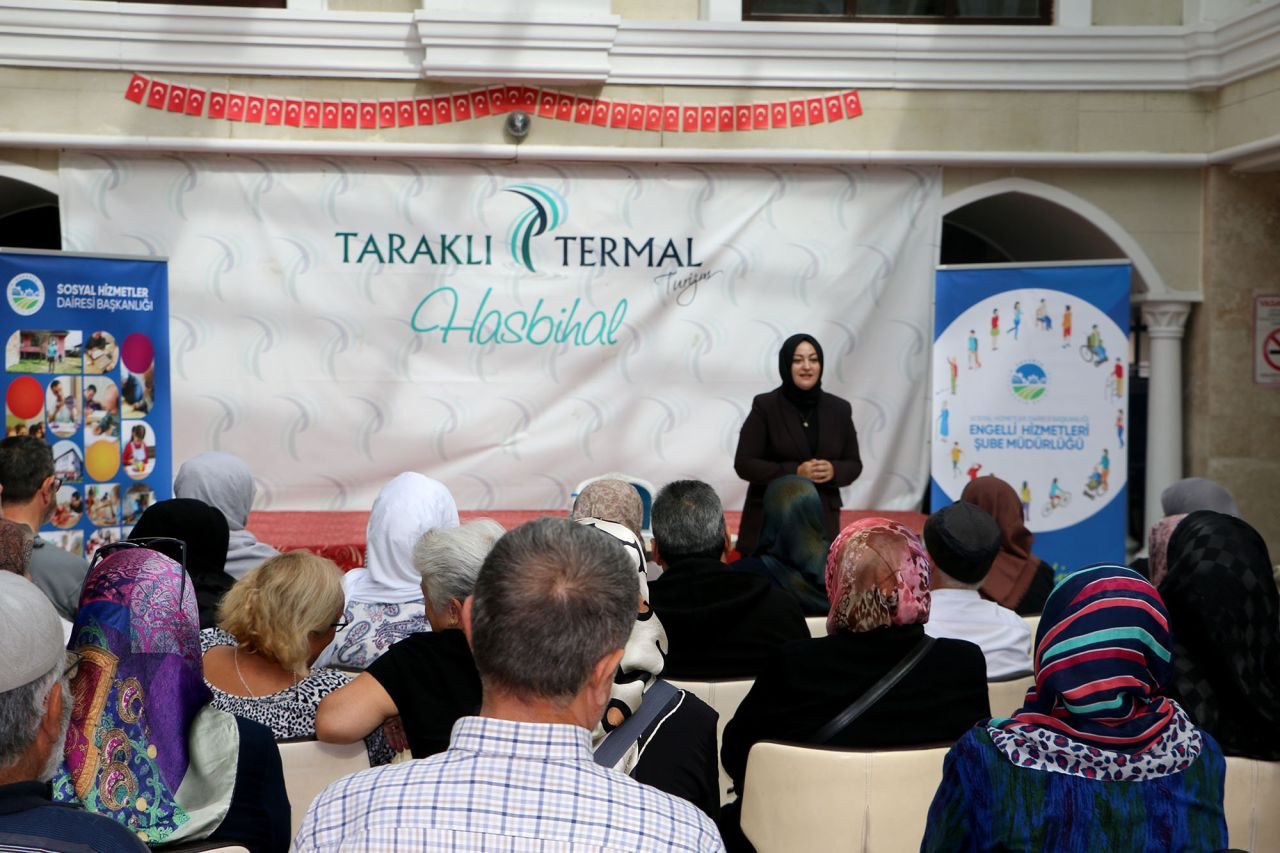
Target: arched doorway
28 208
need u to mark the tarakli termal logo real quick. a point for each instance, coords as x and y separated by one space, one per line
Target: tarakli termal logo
25 293
1029 381
548 211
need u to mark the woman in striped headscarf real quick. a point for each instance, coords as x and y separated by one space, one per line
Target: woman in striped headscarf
1097 758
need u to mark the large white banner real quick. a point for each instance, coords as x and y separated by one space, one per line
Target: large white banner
512 330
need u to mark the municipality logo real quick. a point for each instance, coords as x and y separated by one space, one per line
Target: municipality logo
1029 381
547 211
25 293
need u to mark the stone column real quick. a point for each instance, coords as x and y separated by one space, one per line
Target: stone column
1165 318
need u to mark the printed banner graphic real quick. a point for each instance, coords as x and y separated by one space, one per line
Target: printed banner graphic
87 369
1029 385
514 330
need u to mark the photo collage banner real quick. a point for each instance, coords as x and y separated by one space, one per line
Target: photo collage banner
87 370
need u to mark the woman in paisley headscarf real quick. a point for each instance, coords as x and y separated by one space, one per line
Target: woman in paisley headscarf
144 746
1224 611
792 549
1018 580
1098 758
878 581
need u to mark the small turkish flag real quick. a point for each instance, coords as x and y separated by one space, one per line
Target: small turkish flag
759 116
600 113
217 105
386 114
742 117
653 117
725 117
461 107
797 114
235 107
330 115
671 118
310 113
480 103
368 115
136 91
515 100
158 95
426 111
292 112
274 113
707 116
817 111
177 99
582 110
444 109
350 114
564 107
253 108
618 114
835 107
528 98
498 100
195 101
404 113
635 117
692 120
778 114
547 104
852 104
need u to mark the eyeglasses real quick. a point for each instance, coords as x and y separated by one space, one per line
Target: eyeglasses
74 659
154 543
340 624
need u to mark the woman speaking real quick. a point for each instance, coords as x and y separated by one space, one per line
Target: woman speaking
797 428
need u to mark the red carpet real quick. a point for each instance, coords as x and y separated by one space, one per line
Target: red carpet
340 535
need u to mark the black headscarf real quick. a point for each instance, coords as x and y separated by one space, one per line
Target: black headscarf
1224 612
205 531
802 400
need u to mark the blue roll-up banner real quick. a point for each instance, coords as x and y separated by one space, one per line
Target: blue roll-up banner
1030 376
87 369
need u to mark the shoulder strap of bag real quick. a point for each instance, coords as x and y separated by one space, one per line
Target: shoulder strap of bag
618 741
881 687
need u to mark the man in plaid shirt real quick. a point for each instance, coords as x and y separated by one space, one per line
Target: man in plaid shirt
552 609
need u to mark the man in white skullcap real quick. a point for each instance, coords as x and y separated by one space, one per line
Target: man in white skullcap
35 707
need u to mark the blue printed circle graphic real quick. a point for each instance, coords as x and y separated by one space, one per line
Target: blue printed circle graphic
1029 381
25 293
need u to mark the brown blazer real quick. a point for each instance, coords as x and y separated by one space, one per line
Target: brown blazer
772 443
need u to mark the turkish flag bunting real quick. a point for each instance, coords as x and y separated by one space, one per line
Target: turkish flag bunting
635 117
600 113
797 113
691 120
195 101
310 113
177 99
480 103
136 91
253 108
671 118
510 97
547 104
582 110
852 104
292 112
274 113
404 113
759 116
350 114
217 105
817 111
330 114
386 114
835 107
426 111
778 114
725 118
235 107
653 117
461 107
618 114
368 114
708 119
158 95
498 100
564 107
742 117
528 98
444 109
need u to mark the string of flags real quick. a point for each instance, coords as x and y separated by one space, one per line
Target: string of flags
493 100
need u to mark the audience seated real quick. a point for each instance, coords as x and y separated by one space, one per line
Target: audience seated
28 495
721 623
145 747
1018 579
384 599
225 483
963 540
202 530
611 500
792 549
272 625
35 696
1224 612
428 679
552 609
17 543
1097 758
1183 497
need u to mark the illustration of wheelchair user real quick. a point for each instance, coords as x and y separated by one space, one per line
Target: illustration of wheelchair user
1058 498
1092 350
1096 485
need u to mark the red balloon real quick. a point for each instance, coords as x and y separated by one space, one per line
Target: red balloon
25 397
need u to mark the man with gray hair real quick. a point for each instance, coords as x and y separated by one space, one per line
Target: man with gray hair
721 622
35 709
552 609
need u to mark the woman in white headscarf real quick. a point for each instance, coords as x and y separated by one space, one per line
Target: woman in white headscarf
225 483
384 599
